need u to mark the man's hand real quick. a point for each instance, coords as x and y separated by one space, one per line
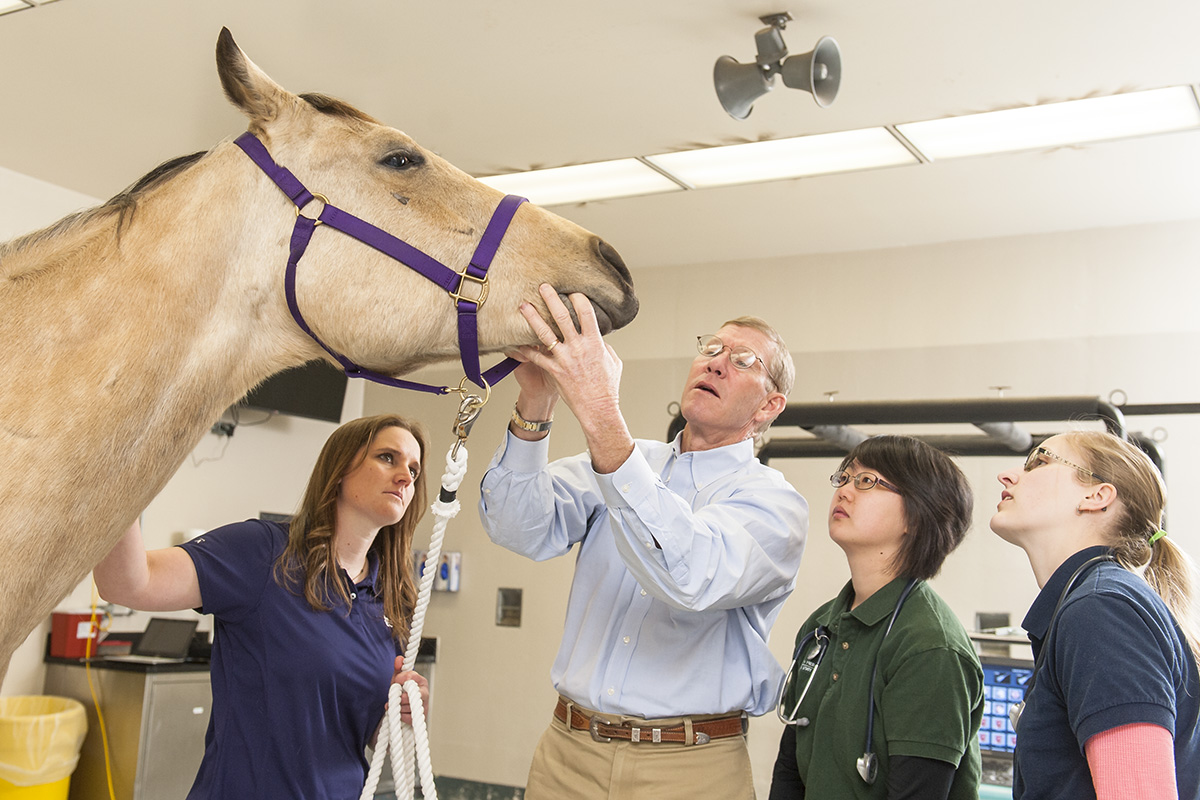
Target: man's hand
581 368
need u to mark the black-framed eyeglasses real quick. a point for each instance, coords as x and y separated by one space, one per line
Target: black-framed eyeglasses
862 481
1037 458
813 646
740 356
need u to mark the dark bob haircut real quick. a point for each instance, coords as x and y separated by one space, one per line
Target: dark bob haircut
937 499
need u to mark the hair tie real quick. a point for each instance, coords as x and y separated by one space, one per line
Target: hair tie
1156 536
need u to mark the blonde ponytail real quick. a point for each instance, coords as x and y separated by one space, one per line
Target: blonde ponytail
1135 528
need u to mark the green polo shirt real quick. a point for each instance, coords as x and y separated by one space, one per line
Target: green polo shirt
928 694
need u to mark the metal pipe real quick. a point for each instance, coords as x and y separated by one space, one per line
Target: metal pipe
1009 434
969 411
840 435
952 444
958 445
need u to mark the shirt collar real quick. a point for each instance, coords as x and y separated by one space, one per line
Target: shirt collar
1037 620
879 606
875 609
371 581
708 465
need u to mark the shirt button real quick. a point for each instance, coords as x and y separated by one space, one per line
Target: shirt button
625 640
845 645
625 488
643 592
611 691
353 596
835 676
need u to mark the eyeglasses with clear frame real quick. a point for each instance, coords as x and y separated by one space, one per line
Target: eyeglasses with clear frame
862 481
1037 455
740 356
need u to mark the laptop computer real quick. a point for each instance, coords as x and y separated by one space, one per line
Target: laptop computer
165 641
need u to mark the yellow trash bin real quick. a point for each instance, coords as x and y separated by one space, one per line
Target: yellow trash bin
40 737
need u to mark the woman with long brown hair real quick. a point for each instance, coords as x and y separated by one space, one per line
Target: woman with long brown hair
310 617
1112 708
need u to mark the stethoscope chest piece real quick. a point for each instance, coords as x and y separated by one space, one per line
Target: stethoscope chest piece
868 767
1014 713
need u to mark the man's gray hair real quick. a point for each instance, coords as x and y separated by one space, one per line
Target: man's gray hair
780 368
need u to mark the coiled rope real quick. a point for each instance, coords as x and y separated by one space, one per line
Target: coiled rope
409 744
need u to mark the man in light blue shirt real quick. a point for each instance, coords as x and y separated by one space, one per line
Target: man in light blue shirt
687 551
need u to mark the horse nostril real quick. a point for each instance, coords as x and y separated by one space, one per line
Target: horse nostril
607 252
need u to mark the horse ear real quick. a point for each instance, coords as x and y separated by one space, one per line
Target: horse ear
246 85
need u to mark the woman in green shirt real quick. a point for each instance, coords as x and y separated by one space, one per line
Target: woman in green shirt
885 694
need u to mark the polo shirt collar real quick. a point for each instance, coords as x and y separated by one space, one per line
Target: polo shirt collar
708 465
371 581
1037 620
879 606
875 609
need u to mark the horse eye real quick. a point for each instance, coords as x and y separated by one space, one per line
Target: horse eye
401 160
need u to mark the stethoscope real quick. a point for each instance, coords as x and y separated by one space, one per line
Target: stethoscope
1015 710
815 644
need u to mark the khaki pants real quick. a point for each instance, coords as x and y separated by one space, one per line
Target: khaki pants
570 765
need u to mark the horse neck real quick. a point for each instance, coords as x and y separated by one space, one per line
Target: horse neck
136 335
192 275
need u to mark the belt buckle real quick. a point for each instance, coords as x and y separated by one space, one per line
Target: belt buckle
594 728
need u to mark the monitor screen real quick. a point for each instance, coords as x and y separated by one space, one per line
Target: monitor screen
315 391
1004 681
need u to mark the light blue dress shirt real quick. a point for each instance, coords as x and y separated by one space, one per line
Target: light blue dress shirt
684 562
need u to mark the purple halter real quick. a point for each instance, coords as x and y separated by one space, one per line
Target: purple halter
456 284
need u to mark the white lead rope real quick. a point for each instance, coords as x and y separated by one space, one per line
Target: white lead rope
410 743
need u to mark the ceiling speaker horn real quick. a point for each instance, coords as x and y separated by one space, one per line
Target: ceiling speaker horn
739 85
818 72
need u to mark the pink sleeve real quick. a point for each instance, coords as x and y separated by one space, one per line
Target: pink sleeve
1135 760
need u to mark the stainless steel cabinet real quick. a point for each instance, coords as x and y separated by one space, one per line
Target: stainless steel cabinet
156 719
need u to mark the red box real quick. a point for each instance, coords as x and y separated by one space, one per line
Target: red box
69 634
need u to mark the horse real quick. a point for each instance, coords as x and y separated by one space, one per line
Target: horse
129 328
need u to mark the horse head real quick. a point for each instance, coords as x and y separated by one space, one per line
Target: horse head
359 301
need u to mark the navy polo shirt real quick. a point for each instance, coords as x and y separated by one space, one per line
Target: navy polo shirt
1115 657
297 693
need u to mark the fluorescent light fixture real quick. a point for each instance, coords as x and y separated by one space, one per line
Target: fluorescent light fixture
1095 119
601 180
9 6
819 154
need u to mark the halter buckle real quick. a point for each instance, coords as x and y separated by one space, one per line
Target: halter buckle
482 290
324 202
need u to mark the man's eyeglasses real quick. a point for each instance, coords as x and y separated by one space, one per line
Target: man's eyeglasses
862 481
741 356
1039 456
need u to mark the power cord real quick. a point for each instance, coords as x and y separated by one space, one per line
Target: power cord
87 667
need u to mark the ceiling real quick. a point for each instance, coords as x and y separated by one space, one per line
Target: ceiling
97 92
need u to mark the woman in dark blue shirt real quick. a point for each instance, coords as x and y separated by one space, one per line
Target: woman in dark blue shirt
309 617
1111 711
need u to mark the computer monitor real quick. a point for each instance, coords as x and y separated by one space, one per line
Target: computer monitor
1004 682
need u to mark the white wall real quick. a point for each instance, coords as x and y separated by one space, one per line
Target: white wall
1068 314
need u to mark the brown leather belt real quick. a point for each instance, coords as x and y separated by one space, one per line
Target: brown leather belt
687 732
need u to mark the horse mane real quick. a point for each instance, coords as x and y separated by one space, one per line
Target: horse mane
337 108
123 204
